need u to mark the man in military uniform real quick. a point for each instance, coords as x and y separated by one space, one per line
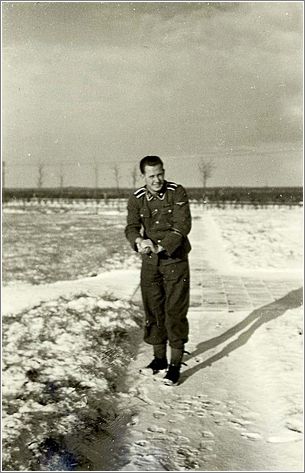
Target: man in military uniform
158 223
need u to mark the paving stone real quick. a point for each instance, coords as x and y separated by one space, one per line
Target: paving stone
214 292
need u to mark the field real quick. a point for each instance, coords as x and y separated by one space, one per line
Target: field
41 247
48 243
64 356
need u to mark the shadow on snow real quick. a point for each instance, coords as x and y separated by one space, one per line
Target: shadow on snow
259 316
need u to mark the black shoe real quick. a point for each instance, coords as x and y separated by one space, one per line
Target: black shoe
172 375
156 365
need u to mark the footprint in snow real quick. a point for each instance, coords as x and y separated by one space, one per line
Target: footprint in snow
160 437
183 439
295 425
218 417
141 443
186 451
134 420
219 421
238 423
251 435
159 415
149 462
207 434
163 406
155 428
186 402
183 407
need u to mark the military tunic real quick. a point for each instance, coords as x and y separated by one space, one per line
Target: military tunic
165 219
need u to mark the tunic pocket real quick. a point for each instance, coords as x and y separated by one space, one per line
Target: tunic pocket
167 210
144 213
167 214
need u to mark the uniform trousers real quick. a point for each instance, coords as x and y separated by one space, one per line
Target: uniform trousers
165 291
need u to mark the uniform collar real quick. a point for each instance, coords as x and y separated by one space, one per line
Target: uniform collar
160 195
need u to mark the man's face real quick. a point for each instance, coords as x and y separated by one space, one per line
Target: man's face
154 178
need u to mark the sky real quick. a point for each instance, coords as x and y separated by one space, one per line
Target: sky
90 86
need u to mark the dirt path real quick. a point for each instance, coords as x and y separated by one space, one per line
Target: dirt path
239 404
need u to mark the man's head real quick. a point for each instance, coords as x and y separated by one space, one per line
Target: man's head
153 173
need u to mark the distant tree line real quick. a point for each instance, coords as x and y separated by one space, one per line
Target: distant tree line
253 195
205 168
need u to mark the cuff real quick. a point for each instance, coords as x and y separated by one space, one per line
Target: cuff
171 242
132 241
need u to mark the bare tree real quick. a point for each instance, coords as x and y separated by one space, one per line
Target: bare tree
134 176
40 177
117 177
206 171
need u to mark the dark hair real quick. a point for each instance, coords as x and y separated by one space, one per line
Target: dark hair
150 161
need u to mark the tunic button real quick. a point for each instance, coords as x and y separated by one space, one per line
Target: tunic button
157 221
159 241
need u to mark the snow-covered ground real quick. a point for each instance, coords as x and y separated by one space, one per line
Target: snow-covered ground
67 343
263 238
46 244
61 360
239 406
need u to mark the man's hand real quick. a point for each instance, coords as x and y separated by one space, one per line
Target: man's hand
145 246
158 249
148 246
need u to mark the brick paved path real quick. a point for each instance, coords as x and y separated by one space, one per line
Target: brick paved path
215 290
